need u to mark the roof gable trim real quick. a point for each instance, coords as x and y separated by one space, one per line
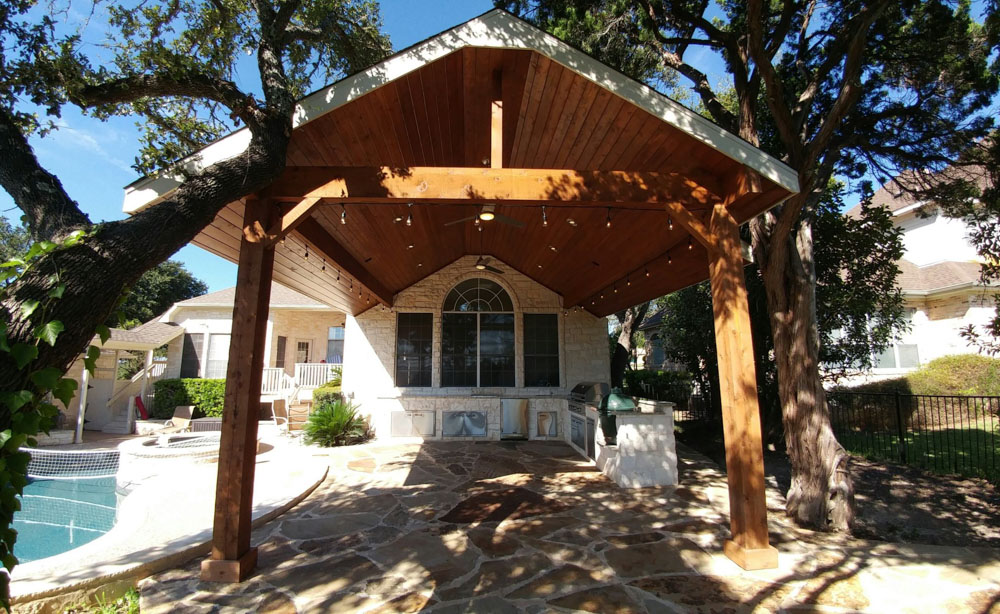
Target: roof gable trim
495 29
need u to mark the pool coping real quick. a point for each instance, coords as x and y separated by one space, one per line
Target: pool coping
161 526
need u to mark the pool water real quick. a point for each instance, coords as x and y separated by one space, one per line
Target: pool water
59 515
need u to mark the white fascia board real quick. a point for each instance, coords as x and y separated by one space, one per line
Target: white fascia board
496 29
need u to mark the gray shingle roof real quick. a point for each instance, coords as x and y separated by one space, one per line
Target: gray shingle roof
935 276
280 297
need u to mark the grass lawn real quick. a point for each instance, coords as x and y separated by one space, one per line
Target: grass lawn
973 452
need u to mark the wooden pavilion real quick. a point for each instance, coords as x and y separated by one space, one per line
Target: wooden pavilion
641 195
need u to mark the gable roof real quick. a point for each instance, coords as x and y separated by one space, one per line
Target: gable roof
893 197
148 336
936 277
280 297
495 29
654 320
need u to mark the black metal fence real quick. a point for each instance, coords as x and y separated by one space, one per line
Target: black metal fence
689 405
948 434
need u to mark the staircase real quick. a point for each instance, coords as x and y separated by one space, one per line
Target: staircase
118 425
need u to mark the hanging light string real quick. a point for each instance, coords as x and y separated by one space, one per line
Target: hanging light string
642 271
311 267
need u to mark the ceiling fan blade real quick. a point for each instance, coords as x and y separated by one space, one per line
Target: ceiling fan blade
508 220
464 219
493 269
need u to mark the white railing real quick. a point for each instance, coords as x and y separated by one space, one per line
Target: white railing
312 375
274 381
123 399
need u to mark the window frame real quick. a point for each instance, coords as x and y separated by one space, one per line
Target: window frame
502 296
554 318
428 356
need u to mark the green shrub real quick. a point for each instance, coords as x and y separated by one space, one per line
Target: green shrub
961 374
336 423
206 395
327 393
666 385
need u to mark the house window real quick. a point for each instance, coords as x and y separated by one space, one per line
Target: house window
302 351
191 354
335 345
477 335
901 355
541 350
218 356
414 339
279 359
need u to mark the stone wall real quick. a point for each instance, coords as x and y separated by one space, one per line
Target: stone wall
370 346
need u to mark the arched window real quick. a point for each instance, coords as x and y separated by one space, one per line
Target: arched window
478 295
477 335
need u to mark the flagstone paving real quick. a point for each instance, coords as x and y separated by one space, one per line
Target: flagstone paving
450 527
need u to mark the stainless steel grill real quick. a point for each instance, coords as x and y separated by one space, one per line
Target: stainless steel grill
587 394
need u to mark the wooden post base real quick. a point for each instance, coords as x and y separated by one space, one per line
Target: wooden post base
222 570
751 559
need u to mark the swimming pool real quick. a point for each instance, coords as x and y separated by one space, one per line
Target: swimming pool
59 515
70 500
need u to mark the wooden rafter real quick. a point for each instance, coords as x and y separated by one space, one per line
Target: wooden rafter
463 185
313 232
295 216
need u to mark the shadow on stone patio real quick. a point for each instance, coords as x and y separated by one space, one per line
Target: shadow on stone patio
531 526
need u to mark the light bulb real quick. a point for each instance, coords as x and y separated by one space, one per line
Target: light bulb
343 214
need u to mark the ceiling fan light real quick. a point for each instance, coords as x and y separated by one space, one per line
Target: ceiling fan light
487 213
480 264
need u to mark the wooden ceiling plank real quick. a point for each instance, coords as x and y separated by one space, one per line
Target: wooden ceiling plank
595 119
599 134
524 109
456 109
532 100
515 69
615 135
311 231
572 100
578 125
550 106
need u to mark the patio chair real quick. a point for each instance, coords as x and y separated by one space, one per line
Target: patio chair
180 422
279 413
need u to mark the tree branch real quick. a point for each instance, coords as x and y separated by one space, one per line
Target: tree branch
50 212
189 85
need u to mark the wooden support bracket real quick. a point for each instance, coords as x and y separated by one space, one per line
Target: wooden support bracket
289 221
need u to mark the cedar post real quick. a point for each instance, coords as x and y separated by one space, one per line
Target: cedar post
749 547
232 557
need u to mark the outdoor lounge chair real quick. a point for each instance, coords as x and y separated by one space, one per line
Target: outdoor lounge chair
180 422
279 413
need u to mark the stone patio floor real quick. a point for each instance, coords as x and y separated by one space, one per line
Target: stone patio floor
451 527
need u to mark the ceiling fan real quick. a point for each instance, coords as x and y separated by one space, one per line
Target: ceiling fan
483 263
486 214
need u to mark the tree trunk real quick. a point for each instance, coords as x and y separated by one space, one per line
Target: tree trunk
822 492
630 320
98 269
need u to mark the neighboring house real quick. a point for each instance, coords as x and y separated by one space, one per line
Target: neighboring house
304 339
655 358
939 279
301 332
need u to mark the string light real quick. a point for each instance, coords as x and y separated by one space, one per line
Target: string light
338 274
409 215
690 243
343 214
647 272
324 264
545 218
607 220
628 282
669 259
670 223
601 296
307 253
615 288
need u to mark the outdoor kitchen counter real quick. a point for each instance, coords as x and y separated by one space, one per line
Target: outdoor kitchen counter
645 454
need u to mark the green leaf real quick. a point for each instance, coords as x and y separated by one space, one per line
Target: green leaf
13 262
29 308
49 331
4 437
23 354
90 360
64 390
58 291
46 378
74 237
16 400
104 333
